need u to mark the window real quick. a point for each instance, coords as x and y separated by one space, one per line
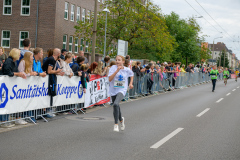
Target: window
83 14
81 46
76 45
70 43
72 12
78 13
25 8
22 36
6 39
66 11
64 41
88 15
86 47
7 7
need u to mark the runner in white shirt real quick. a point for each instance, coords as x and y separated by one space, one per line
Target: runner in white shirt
118 78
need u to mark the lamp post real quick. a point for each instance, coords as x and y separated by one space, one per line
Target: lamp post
213 48
94 32
107 11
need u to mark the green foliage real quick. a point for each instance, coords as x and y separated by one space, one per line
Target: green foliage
222 59
150 35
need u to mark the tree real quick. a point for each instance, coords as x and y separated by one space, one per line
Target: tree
222 59
186 35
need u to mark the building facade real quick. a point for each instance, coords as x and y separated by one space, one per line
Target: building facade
48 23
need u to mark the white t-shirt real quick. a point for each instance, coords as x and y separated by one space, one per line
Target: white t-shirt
121 76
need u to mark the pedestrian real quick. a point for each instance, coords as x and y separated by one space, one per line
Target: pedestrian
118 78
214 74
236 74
37 66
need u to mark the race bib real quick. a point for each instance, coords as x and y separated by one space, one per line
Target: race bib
213 76
119 84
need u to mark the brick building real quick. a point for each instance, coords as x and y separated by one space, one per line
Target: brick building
48 23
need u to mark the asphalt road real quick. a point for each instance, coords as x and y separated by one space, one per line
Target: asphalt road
188 124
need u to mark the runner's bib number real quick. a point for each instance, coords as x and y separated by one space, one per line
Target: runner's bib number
119 84
213 76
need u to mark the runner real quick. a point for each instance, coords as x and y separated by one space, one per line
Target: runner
214 74
236 73
118 78
225 75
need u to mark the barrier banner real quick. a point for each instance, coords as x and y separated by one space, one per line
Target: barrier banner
19 95
97 91
233 76
69 91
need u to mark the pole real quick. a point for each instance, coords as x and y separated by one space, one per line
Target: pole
94 32
105 36
220 55
224 59
213 53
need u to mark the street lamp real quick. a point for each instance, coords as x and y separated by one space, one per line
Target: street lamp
213 47
107 11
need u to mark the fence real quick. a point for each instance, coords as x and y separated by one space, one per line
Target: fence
20 101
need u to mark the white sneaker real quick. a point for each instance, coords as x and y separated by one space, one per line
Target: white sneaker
21 122
7 125
116 129
123 124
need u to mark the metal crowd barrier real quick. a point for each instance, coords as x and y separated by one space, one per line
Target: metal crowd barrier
143 85
159 84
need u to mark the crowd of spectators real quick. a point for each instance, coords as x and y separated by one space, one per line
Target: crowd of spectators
26 62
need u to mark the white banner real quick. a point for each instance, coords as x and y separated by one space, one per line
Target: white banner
97 91
69 91
18 95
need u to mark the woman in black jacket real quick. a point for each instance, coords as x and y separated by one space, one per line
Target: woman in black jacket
10 67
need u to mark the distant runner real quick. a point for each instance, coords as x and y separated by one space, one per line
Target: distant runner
225 75
214 74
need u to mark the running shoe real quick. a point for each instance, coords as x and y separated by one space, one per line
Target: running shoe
123 124
116 129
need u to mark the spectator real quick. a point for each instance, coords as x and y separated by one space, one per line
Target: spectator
98 70
26 44
136 68
3 55
51 69
93 66
63 53
50 53
81 53
76 67
183 69
158 63
10 67
108 68
37 67
65 64
1 59
50 64
84 77
106 61
26 65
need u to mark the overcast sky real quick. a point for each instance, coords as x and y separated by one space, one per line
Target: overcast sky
225 12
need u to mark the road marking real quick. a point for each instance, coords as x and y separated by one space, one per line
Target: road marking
220 100
203 112
165 139
228 94
234 90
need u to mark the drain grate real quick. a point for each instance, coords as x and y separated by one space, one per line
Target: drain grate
90 118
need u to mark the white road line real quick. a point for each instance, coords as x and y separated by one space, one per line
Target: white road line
203 112
165 139
234 90
220 100
228 94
